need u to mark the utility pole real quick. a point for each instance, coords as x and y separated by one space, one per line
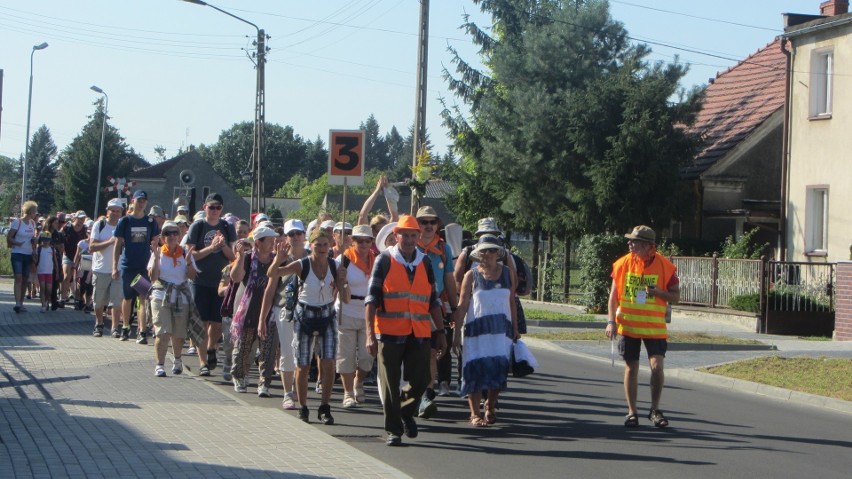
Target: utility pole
420 104
258 149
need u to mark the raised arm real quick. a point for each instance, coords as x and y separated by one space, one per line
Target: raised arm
364 214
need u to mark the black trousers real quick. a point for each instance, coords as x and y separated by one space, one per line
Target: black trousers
415 356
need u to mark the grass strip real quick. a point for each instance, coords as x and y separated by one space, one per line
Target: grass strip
830 377
543 314
598 335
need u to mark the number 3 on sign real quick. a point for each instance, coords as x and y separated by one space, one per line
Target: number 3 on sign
346 157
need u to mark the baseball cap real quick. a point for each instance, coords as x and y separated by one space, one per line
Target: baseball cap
214 198
327 224
293 225
140 195
80 214
340 226
263 232
115 203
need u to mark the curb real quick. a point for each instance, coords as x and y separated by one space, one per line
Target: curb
548 323
739 385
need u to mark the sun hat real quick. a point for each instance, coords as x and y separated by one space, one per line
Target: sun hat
382 237
487 225
181 219
642 233
406 222
157 212
487 242
293 225
263 232
170 224
362 231
426 212
199 216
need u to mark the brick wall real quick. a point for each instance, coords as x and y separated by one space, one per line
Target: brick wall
843 302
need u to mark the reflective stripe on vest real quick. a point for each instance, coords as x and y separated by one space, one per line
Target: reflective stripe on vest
637 319
405 304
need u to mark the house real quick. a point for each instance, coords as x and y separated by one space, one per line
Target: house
188 179
736 174
819 116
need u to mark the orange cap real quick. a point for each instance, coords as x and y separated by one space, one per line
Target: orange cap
406 222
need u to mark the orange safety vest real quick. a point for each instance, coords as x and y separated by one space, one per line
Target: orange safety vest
405 304
637 318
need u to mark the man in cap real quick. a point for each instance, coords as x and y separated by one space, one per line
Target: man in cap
404 317
159 216
74 231
644 283
107 290
183 210
210 241
441 257
136 235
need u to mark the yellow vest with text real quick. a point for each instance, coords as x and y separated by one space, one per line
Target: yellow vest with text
637 318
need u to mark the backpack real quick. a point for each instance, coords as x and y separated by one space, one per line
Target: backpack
525 279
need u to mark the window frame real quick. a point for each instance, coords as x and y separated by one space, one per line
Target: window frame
816 220
821 83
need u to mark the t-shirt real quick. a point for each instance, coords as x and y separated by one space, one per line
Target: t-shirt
72 237
24 235
440 266
137 234
102 260
45 260
211 265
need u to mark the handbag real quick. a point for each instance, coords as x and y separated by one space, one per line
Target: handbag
523 362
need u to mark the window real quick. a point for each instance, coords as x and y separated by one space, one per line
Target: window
816 220
822 73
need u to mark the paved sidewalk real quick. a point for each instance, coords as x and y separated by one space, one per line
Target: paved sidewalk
72 405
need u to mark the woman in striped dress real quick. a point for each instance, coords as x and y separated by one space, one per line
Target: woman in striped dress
487 305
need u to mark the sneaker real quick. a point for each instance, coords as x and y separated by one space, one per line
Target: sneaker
304 414
427 408
239 385
99 330
205 371
212 360
289 402
324 415
159 371
226 374
125 334
349 401
409 425
141 338
116 333
360 395
178 366
444 389
262 391
393 440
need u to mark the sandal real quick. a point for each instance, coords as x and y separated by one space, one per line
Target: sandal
656 417
632 420
490 417
477 421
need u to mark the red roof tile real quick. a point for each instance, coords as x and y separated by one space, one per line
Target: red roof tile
737 102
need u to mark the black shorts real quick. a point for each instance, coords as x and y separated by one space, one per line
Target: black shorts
628 348
209 303
127 276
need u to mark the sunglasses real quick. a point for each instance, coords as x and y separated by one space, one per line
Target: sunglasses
363 240
295 233
214 207
427 222
171 233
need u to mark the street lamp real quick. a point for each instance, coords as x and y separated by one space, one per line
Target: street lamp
258 202
101 156
40 46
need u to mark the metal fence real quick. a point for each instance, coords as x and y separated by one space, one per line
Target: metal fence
800 286
713 281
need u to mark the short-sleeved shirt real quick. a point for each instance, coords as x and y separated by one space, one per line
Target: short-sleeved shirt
441 266
102 260
72 237
210 267
137 234
172 270
25 231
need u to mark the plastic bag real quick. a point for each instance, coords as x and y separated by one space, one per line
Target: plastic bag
523 362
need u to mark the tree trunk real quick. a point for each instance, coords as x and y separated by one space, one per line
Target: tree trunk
566 271
536 293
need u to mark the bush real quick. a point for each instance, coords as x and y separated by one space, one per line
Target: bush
5 260
791 300
746 302
595 256
744 247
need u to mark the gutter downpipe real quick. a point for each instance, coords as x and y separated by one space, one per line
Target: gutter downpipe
785 151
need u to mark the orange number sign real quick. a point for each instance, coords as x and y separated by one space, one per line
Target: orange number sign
346 157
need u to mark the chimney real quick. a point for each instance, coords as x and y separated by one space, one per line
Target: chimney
833 7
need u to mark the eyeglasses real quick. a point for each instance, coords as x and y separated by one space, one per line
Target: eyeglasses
214 207
171 233
427 222
295 233
363 240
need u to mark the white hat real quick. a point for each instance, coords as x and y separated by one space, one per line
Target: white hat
340 226
199 216
488 242
386 231
266 224
362 231
263 232
169 224
260 217
115 203
293 225
327 224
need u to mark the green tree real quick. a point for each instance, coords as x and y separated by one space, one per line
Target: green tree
78 163
41 169
316 159
376 150
293 187
10 186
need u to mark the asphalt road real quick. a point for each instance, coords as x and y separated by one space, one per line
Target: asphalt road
566 420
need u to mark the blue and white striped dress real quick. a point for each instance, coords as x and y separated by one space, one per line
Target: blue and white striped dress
487 334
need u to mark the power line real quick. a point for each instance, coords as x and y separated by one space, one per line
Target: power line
717 20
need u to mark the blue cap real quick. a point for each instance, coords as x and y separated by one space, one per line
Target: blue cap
140 194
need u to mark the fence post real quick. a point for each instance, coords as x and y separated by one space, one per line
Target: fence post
714 277
763 295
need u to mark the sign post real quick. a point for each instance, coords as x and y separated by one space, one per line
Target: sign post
345 162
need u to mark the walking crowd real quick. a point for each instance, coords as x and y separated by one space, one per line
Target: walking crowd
390 299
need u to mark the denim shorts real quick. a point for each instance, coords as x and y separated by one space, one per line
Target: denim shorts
21 264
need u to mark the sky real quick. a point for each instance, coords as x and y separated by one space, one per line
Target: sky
177 73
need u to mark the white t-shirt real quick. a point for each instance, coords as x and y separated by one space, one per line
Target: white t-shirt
170 273
359 284
45 259
24 235
102 260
